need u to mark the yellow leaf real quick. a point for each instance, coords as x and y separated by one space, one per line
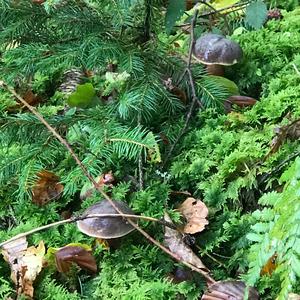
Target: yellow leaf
270 266
221 4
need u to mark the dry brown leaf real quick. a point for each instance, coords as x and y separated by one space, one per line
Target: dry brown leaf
290 131
102 180
231 289
241 101
25 263
67 255
38 1
15 248
270 266
174 241
293 131
195 212
175 90
47 188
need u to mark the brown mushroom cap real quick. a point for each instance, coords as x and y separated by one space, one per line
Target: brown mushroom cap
213 49
106 227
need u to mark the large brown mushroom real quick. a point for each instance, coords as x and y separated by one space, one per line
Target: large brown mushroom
106 227
215 51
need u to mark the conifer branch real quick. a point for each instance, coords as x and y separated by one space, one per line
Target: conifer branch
192 85
128 141
92 180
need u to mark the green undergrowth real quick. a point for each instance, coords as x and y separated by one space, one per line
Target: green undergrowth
223 159
225 162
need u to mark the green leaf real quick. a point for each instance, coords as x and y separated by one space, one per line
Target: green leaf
221 4
254 237
229 85
256 14
83 97
175 11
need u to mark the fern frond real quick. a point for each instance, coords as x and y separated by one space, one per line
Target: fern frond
277 231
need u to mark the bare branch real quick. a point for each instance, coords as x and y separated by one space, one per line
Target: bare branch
75 219
195 99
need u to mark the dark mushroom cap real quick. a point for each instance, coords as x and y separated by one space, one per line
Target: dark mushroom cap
106 227
213 49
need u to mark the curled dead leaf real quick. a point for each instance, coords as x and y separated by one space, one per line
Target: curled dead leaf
241 101
175 90
47 188
293 131
231 289
270 266
195 212
25 263
282 133
174 241
64 257
102 180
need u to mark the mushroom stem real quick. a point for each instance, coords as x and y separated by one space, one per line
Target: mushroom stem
217 70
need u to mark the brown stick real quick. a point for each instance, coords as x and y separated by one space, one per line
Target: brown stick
87 174
71 220
193 89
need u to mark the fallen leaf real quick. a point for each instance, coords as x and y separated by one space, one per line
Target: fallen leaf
38 1
102 180
241 101
173 239
25 263
30 98
47 188
64 257
83 97
180 275
175 90
292 296
270 266
195 212
14 248
231 289
164 138
291 131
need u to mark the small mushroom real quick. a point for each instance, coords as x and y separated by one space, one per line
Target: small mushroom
215 51
106 227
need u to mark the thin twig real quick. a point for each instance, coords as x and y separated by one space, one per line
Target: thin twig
147 24
234 7
296 69
75 219
193 90
140 162
87 174
216 12
211 257
278 168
